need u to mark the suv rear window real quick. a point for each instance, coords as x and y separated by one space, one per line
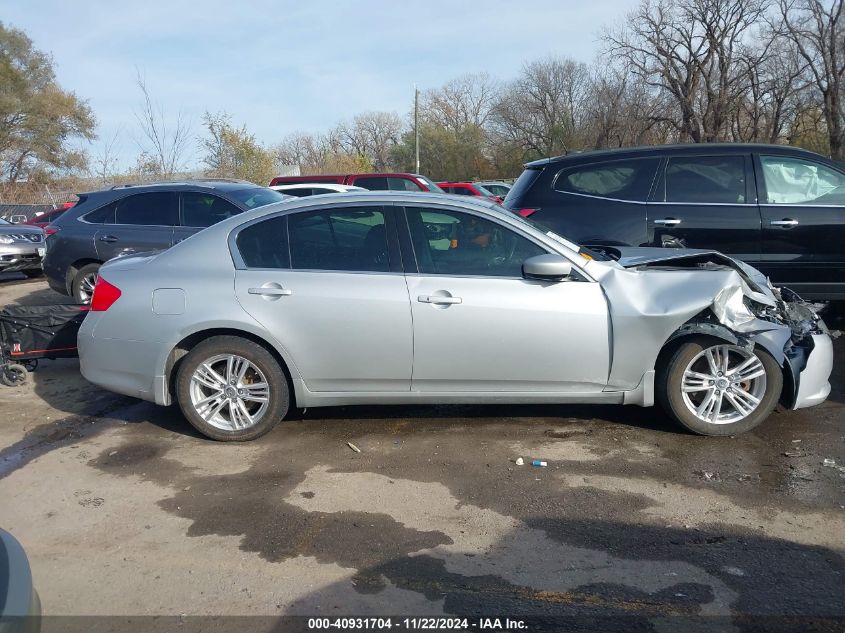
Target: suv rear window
619 179
522 185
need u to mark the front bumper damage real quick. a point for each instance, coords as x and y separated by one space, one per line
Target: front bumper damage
705 292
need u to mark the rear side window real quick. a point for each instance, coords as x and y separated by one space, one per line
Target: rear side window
373 183
204 209
619 179
301 192
402 184
706 179
148 209
353 239
265 244
103 215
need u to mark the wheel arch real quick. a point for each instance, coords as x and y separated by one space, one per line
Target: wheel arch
188 342
75 267
702 326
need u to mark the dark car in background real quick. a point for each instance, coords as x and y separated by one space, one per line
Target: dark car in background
130 219
779 208
374 182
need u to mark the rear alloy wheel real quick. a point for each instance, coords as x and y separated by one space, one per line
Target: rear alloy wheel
231 389
84 282
715 388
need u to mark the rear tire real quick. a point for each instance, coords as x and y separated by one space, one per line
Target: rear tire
82 287
231 389
740 398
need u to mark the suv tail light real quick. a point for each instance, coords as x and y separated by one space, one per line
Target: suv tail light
105 294
526 213
51 230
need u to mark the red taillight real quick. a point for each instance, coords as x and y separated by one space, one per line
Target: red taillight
50 230
527 213
105 295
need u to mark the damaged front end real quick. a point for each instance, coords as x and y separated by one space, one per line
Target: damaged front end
708 293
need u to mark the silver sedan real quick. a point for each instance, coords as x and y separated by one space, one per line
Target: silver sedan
386 297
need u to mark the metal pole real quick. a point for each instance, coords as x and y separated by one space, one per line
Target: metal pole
417 127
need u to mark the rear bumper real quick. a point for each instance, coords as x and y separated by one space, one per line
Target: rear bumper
812 368
123 366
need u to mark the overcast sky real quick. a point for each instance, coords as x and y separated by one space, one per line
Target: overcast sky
285 66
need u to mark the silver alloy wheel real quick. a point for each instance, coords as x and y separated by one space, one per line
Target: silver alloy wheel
229 392
86 287
723 384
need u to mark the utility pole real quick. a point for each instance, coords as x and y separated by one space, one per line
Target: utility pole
417 127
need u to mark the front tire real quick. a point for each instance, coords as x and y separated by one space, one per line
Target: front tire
714 388
231 389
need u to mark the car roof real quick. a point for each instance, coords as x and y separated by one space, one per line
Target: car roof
690 148
218 184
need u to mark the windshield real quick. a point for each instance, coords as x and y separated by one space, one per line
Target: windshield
255 197
428 183
593 254
484 191
2 221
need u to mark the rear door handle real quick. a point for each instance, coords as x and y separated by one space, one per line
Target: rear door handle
439 299
271 292
784 222
668 222
108 238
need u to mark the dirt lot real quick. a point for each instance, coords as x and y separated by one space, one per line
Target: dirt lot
123 510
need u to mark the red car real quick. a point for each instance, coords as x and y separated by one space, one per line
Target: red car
374 182
469 189
45 218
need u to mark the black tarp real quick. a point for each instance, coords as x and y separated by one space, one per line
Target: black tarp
32 332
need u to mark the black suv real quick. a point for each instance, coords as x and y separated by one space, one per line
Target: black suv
136 218
779 208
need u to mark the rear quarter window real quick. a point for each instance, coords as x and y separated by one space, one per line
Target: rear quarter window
522 186
620 180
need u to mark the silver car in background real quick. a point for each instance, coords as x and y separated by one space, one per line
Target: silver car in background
388 297
21 248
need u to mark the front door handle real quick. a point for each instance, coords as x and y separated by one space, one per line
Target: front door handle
108 238
439 299
668 222
784 222
270 292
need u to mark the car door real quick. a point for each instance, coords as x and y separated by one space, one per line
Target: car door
201 209
140 222
802 204
706 201
479 326
328 285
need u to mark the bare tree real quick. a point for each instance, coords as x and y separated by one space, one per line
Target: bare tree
689 50
540 109
105 161
818 31
463 101
163 145
370 135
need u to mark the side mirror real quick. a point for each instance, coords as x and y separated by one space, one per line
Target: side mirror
546 268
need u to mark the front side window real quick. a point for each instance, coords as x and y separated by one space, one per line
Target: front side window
148 209
706 179
798 181
265 244
373 183
618 179
353 239
462 244
204 209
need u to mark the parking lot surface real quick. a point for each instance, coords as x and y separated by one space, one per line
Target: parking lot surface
124 510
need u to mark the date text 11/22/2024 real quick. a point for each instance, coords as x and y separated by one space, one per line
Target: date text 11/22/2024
495 625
